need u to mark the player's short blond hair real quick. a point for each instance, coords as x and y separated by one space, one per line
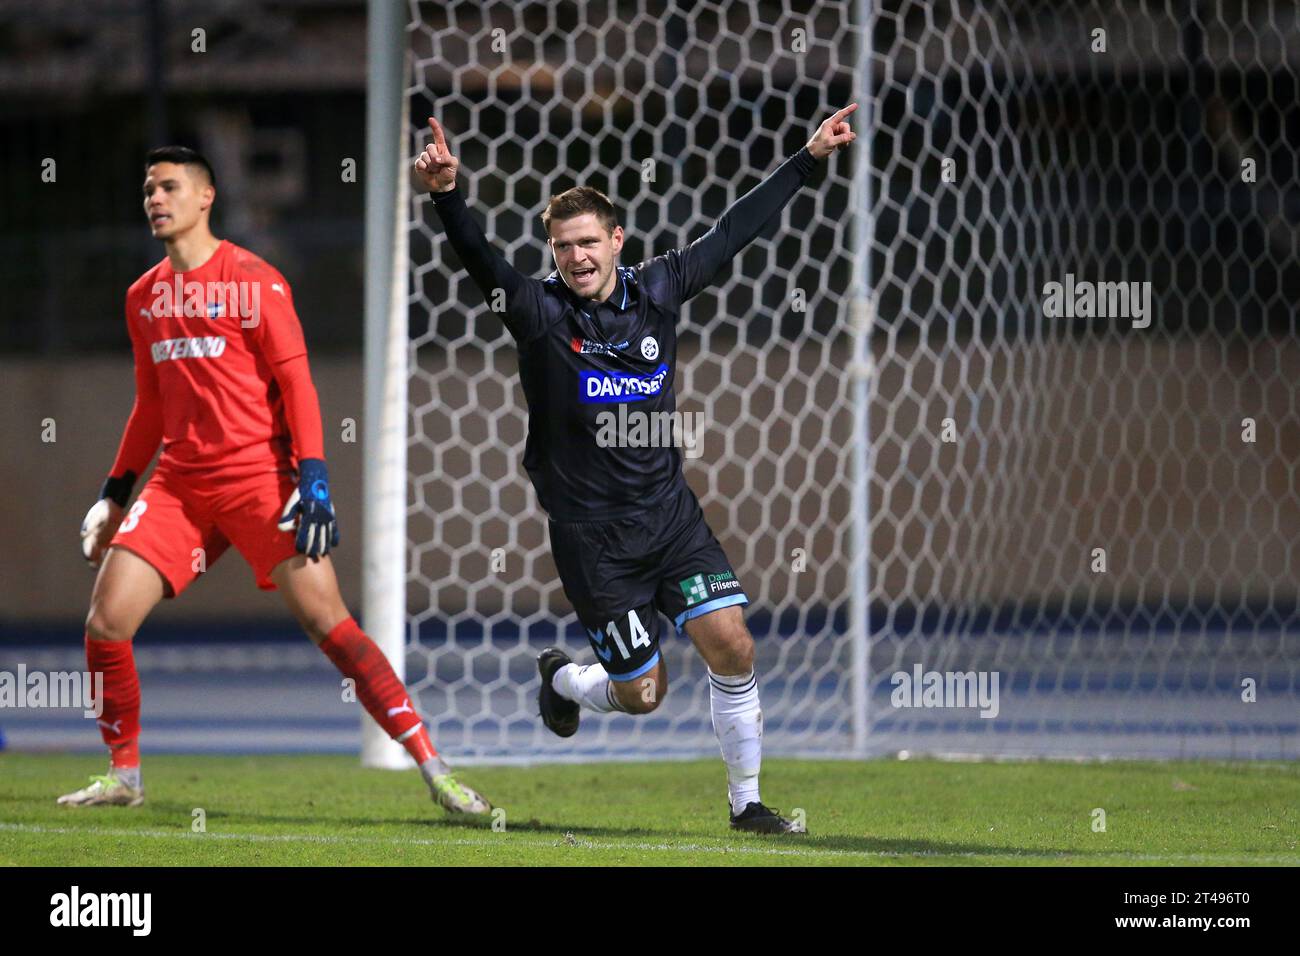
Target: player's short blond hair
577 202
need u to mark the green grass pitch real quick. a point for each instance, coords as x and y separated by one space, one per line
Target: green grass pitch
323 811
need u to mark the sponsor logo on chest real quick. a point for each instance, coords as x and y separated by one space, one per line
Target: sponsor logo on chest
190 347
588 347
606 386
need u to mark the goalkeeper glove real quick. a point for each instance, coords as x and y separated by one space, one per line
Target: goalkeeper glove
101 521
310 507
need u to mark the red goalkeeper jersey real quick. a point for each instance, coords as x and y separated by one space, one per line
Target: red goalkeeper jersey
221 370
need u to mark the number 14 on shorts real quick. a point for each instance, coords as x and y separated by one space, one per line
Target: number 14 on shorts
640 637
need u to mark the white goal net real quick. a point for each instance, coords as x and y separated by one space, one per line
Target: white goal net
918 465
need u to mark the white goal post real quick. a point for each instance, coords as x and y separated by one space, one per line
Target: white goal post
384 423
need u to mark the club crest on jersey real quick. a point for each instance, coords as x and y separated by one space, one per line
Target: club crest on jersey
649 348
588 347
605 386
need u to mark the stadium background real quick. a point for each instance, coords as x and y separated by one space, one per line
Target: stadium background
278 102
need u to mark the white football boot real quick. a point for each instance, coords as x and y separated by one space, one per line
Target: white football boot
455 797
105 790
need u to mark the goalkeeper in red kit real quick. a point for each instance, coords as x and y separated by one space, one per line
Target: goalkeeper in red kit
222 382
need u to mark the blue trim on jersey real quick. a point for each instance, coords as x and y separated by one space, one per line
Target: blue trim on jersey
638 672
717 604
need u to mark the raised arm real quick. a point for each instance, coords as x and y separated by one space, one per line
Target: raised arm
693 268
436 170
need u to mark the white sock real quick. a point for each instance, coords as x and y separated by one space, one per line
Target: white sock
588 686
738 723
433 767
128 775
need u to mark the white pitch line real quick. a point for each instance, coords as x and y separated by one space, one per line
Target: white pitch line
593 845
558 843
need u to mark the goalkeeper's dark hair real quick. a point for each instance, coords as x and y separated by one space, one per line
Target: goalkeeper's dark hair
578 201
182 156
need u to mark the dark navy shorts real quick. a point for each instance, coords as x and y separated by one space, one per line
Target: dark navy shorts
620 575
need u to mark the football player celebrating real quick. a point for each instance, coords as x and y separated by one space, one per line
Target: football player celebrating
628 535
222 381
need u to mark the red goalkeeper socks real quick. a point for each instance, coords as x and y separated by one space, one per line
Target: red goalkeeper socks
380 692
119 724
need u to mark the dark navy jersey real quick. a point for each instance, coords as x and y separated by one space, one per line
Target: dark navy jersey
580 360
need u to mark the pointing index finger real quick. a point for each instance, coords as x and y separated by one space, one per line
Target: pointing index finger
839 115
438 136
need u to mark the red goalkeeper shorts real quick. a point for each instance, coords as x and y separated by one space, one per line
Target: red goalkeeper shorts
181 524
